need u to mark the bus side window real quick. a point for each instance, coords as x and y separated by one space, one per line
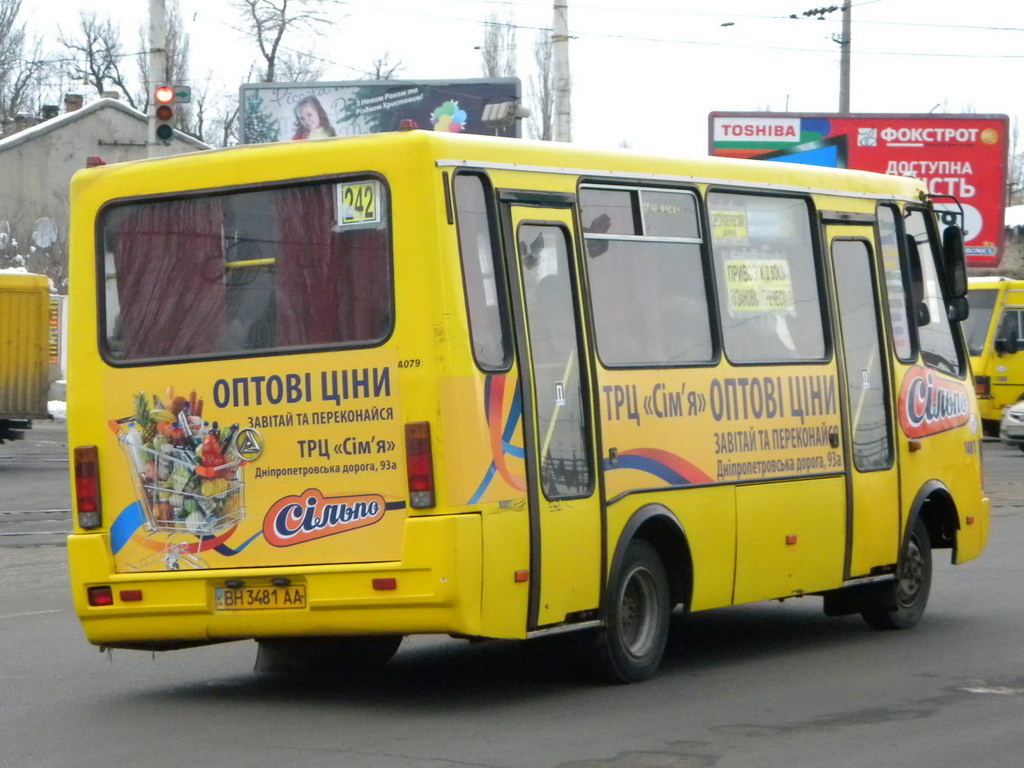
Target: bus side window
767 273
939 348
896 288
485 292
646 273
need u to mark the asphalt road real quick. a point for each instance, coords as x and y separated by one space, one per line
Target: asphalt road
760 686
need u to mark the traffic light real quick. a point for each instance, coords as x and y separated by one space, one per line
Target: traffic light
164 98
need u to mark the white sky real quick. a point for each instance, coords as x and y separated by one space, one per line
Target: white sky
648 72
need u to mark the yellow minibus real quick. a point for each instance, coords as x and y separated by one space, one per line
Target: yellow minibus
327 394
994 333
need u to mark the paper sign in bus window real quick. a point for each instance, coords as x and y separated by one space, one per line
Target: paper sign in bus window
729 225
759 285
358 203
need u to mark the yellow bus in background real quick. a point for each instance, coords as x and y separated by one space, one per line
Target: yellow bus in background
994 332
327 394
24 351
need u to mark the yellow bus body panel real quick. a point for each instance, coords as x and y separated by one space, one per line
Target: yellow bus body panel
437 590
24 346
1005 371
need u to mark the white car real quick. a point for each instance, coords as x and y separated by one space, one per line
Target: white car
1011 428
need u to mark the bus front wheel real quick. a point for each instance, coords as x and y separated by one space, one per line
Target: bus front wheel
630 645
902 606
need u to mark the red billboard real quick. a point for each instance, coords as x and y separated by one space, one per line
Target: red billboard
960 155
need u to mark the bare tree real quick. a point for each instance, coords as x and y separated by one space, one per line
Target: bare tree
542 89
217 117
22 65
499 47
267 21
225 122
384 69
98 55
299 68
1015 168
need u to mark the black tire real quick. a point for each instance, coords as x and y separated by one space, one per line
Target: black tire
902 605
629 647
335 658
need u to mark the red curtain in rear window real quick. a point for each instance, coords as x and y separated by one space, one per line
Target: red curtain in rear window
315 283
170 278
332 286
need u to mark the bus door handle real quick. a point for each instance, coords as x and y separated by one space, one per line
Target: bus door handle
914 445
613 457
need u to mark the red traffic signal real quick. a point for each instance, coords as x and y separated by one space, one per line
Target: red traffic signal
164 97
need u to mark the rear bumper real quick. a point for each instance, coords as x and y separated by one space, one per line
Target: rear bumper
437 590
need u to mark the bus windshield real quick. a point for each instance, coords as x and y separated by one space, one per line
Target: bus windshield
982 303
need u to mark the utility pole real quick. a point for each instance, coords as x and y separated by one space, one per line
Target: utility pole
844 61
560 70
157 64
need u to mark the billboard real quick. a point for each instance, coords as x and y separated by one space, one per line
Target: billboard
960 155
292 111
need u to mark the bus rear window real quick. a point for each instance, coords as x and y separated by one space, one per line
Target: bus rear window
247 272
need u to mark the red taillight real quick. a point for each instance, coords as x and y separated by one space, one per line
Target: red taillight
419 464
982 386
87 487
101 596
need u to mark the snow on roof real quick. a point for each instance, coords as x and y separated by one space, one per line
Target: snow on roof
69 117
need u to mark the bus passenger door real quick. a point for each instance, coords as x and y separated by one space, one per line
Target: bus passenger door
873 492
565 518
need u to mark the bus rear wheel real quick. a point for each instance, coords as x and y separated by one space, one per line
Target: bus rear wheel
630 645
902 605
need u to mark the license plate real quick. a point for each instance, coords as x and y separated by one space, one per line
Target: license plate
260 598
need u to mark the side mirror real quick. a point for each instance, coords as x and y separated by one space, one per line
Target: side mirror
924 317
954 261
958 310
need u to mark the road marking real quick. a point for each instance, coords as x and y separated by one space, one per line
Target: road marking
13 512
29 613
998 690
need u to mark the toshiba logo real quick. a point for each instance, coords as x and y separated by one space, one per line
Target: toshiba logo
757 129
765 131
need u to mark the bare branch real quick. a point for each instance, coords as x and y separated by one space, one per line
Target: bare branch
267 21
542 89
97 54
499 47
383 69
